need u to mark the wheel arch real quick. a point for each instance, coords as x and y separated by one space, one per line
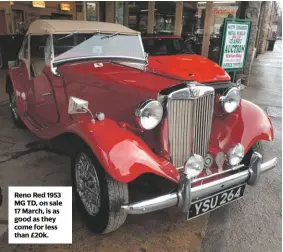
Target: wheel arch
110 150
247 125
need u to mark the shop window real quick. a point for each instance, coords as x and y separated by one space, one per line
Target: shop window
132 22
18 19
38 51
138 12
164 13
143 22
119 12
92 11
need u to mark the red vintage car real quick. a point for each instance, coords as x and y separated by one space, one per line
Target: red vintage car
143 138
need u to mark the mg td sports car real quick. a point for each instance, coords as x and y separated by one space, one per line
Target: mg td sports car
130 125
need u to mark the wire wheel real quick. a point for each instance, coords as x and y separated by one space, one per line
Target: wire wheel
87 184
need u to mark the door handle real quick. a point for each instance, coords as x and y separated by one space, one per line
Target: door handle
46 94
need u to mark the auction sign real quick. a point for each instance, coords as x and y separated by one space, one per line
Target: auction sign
235 40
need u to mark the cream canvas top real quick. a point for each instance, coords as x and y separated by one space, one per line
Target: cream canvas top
68 26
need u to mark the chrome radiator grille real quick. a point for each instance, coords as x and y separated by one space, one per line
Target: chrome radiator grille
189 126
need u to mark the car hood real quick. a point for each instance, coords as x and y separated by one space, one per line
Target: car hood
119 77
162 72
188 67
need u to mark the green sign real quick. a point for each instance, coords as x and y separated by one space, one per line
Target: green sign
235 40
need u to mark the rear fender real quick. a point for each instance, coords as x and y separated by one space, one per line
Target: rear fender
122 154
247 125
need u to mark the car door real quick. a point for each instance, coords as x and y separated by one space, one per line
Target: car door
40 96
20 77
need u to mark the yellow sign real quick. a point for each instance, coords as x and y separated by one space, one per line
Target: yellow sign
38 4
65 7
12 3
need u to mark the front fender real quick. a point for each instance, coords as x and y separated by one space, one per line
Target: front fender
247 125
123 155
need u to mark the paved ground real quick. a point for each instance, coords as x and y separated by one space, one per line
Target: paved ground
252 224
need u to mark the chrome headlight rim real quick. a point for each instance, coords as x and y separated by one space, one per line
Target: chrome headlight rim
191 169
236 154
226 99
141 110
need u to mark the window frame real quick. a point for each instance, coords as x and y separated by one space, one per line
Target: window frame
32 74
22 50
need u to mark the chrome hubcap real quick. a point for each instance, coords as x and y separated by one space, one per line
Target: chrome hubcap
13 105
87 184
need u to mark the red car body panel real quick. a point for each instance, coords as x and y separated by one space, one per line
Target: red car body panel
122 154
116 90
189 67
112 143
247 125
19 77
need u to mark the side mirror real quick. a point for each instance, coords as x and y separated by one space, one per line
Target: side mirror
13 63
77 106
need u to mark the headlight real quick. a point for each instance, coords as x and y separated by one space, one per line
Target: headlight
194 166
231 100
236 154
149 114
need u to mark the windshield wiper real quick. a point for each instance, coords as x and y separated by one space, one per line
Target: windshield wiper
111 35
73 33
67 36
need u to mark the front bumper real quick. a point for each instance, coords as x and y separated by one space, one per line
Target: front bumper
187 194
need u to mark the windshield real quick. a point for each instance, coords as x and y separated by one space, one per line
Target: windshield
89 45
165 46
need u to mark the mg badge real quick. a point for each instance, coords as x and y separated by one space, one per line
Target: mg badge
195 92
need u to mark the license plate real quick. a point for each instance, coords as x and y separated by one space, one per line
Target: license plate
215 201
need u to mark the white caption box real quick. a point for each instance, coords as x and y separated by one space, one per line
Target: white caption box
40 215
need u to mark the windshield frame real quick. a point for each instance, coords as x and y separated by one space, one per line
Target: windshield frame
113 58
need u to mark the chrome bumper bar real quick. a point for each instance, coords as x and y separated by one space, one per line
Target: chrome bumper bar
187 194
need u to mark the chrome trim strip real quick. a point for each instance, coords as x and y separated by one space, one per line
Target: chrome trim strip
255 165
220 184
152 205
186 195
145 54
193 91
235 168
269 165
62 61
